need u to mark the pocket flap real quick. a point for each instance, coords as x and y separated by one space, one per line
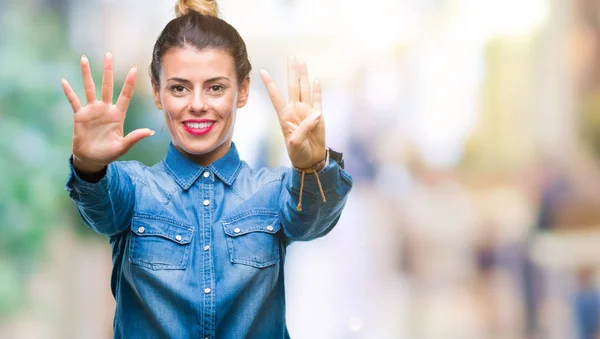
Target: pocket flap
162 228
266 221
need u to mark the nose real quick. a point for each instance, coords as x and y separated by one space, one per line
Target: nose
197 103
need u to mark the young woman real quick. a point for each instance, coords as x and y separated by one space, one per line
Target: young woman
199 239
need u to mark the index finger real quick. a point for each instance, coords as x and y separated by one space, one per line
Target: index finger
274 94
127 90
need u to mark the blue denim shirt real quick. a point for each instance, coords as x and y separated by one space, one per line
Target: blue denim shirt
199 252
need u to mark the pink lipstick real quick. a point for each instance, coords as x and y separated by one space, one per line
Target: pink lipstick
198 127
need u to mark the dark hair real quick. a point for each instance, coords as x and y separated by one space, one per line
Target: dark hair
202 32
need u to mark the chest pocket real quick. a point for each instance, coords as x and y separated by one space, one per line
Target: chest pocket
159 244
252 238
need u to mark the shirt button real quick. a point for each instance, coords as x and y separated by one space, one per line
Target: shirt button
237 230
206 174
206 247
269 228
178 237
206 202
207 290
141 229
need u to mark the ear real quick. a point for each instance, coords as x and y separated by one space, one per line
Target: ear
156 95
243 93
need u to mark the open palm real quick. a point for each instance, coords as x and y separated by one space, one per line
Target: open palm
98 137
300 118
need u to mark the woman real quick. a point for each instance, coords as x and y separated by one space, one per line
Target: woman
199 239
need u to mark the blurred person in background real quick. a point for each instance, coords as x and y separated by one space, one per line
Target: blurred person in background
199 239
554 190
586 304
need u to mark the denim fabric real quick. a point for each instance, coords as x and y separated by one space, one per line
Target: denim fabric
199 252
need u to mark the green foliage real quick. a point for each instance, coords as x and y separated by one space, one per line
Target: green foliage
35 141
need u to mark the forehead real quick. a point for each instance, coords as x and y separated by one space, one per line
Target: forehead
193 64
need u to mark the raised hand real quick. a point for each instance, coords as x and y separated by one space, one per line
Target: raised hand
98 137
301 117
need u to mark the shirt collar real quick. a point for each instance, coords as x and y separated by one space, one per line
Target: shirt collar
185 172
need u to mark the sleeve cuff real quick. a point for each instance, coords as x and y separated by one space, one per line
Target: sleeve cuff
74 182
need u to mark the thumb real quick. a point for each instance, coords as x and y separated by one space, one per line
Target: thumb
135 136
307 125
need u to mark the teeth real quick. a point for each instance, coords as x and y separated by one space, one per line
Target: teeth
198 125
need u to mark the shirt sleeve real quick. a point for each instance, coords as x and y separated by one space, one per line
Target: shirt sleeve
105 206
317 218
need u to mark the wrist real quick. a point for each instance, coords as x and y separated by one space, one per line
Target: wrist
318 166
87 168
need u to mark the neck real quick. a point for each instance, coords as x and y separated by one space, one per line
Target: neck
210 157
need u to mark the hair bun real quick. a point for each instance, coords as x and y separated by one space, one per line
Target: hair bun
204 7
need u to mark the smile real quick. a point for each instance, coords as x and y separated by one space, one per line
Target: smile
198 127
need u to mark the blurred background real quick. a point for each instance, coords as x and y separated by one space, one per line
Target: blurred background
471 128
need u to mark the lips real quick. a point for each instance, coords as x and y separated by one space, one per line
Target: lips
198 127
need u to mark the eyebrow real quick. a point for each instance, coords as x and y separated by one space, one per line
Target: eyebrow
187 81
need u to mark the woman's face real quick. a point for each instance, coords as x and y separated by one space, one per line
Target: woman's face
199 95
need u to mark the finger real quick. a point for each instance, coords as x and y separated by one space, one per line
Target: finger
304 82
317 97
307 125
293 81
71 96
287 128
135 136
88 82
127 90
276 99
107 78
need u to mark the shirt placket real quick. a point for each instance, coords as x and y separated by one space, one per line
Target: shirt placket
208 274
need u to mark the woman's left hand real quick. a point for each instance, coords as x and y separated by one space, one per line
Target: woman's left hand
300 118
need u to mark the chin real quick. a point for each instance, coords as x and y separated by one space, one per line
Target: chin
199 147
196 149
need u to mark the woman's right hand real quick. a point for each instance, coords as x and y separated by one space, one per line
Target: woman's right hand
98 136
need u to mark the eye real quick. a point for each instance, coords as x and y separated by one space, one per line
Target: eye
216 88
177 89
